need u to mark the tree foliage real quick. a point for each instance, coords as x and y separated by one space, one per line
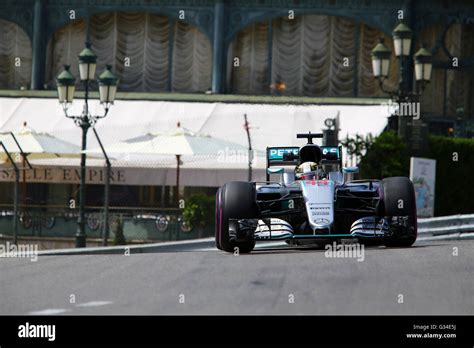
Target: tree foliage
119 238
357 146
199 210
387 156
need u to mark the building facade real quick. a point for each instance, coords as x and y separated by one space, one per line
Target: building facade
302 48
317 48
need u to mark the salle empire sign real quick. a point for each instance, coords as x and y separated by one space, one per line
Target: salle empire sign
64 175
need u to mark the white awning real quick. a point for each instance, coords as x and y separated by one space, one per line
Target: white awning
271 125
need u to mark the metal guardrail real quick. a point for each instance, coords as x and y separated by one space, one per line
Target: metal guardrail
447 227
455 227
173 246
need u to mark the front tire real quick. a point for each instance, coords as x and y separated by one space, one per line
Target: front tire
235 200
399 208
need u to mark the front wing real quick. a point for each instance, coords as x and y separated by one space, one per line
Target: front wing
278 229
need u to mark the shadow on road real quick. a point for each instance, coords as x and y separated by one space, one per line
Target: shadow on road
309 249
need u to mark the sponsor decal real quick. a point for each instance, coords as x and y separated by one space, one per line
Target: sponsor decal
320 214
320 211
327 150
331 153
277 154
318 182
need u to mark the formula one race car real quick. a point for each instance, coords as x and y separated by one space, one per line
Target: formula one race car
314 201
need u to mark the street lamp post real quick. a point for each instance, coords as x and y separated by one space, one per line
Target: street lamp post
402 41
107 90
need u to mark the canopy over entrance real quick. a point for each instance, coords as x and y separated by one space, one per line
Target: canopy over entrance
271 125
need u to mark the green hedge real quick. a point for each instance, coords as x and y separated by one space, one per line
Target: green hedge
454 192
387 156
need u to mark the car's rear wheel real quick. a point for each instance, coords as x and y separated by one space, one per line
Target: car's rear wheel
399 208
235 200
218 198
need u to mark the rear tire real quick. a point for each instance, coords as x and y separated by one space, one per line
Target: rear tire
217 214
235 200
399 208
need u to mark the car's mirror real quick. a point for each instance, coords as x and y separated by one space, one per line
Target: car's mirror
277 170
350 170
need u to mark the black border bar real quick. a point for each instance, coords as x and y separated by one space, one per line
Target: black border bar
241 330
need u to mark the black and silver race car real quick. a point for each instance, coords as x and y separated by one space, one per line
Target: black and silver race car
314 203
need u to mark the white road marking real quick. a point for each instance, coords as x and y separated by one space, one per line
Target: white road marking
50 311
54 311
94 304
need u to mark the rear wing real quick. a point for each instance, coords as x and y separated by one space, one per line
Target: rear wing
332 154
276 156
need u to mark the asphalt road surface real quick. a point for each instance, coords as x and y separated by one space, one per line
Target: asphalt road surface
427 279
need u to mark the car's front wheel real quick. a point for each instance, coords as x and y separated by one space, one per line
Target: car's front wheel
399 209
235 200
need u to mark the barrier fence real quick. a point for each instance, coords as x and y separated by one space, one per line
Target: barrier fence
447 227
139 224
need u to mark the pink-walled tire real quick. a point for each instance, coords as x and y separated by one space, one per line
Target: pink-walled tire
235 200
395 190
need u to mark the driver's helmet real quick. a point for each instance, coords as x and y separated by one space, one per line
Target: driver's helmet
306 171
